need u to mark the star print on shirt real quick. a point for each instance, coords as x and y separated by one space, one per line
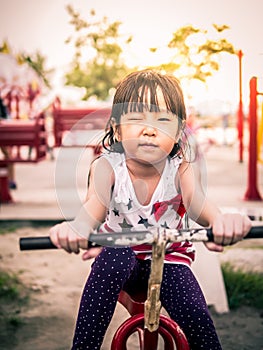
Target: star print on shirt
144 222
125 226
164 225
129 205
116 212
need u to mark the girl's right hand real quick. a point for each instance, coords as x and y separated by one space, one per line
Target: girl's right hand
64 236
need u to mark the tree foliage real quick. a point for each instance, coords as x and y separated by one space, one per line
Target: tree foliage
97 64
195 54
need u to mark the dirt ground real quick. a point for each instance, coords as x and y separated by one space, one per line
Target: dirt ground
55 280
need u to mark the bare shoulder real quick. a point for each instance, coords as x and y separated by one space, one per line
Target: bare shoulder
188 176
101 163
101 172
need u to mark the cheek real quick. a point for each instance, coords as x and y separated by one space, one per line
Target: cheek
129 145
168 139
129 132
170 130
170 135
168 145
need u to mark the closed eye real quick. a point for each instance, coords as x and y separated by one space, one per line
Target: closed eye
166 117
163 119
135 118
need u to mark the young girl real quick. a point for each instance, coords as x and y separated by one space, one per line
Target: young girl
144 180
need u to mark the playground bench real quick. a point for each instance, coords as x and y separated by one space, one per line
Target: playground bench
14 136
79 121
18 133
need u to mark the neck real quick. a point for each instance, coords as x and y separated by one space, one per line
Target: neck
145 170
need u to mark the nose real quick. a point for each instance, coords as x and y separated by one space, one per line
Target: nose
149 130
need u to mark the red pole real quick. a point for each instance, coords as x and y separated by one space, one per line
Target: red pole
17 106
252 191
240 115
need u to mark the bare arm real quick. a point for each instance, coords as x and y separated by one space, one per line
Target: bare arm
227 228
73 235
194 198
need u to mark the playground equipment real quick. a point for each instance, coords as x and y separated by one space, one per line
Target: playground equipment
14 135
76 120
240 114
252 192
260 137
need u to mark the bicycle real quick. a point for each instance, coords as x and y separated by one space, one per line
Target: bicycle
144 307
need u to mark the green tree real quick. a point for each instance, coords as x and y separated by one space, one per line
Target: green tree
196 55
97 64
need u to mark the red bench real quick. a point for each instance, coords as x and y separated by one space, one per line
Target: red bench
14 135
78 120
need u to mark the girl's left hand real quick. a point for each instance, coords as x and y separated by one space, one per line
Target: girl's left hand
228 229
91 253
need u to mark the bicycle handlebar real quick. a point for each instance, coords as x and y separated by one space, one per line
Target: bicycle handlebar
122 239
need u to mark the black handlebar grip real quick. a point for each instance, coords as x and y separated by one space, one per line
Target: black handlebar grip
43 242
210 235
255 232
33 243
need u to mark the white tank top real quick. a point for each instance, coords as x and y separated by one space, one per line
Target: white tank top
164 210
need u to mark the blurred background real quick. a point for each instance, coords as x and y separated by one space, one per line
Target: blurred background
71 54
80 44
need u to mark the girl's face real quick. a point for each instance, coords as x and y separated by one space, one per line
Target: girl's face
149 136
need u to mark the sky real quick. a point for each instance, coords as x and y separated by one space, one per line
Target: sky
43 25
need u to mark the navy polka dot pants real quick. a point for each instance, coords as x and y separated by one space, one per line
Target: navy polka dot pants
115 269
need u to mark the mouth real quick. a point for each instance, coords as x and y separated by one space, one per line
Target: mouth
148 146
